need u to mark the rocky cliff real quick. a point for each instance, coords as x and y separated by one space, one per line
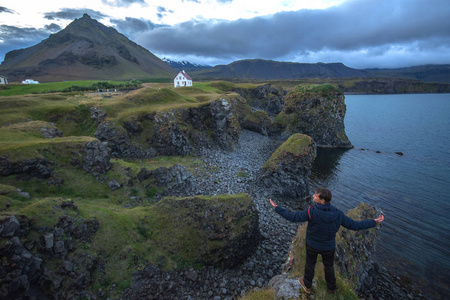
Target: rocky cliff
178 131
315 110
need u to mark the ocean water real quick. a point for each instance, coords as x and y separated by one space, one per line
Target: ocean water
412 190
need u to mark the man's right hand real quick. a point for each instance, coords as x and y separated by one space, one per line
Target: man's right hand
273 203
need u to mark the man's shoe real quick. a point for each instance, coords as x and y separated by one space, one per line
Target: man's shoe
302 283
331 291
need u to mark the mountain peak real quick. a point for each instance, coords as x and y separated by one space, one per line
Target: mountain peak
85 50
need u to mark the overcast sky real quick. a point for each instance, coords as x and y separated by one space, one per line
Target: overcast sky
358 33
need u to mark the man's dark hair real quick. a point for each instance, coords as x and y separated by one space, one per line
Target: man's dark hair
324 194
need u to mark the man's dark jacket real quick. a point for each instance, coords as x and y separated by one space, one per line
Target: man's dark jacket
323 223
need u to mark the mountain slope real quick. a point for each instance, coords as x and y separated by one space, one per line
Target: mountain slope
426 73
84 50
266 70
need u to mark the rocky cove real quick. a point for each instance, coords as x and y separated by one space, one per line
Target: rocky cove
234 161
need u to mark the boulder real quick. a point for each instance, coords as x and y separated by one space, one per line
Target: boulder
9 228
114 185
285 287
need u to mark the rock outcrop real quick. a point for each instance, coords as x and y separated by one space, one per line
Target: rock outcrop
177 131
264 97
24 267
173 181
315 110
97 158
287 171
218 231
119 142
26 169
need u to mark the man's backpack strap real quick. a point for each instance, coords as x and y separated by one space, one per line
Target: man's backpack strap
309 212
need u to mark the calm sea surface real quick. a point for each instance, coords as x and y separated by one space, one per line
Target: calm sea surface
412 190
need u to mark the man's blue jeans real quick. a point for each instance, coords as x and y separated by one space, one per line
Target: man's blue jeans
328 263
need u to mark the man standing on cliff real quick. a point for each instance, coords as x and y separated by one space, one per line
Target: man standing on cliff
324 221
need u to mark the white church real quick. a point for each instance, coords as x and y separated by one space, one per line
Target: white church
182 79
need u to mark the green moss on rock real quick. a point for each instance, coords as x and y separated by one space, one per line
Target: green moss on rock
297 145
217 230
258 121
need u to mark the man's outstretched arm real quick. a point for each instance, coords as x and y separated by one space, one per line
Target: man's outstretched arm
360 225
299 216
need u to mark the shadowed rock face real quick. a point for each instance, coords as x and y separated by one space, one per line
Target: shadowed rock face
317 114
25 273
264 97
286 173
180 131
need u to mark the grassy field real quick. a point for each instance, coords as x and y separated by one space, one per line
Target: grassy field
15 89
127 216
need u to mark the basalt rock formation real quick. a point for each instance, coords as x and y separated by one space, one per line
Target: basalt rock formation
24 272
178 131
264 97
287 171
315 110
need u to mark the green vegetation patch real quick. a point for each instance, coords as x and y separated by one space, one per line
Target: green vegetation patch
296 145
192 163
64 86
28 147
322 89
259 294
196 230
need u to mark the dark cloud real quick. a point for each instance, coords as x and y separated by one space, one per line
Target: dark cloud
5 10
52 27
132 26
73 13
367 29
123 3
162 12
12 38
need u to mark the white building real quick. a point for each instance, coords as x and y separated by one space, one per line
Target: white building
182 79
30 81
3 80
